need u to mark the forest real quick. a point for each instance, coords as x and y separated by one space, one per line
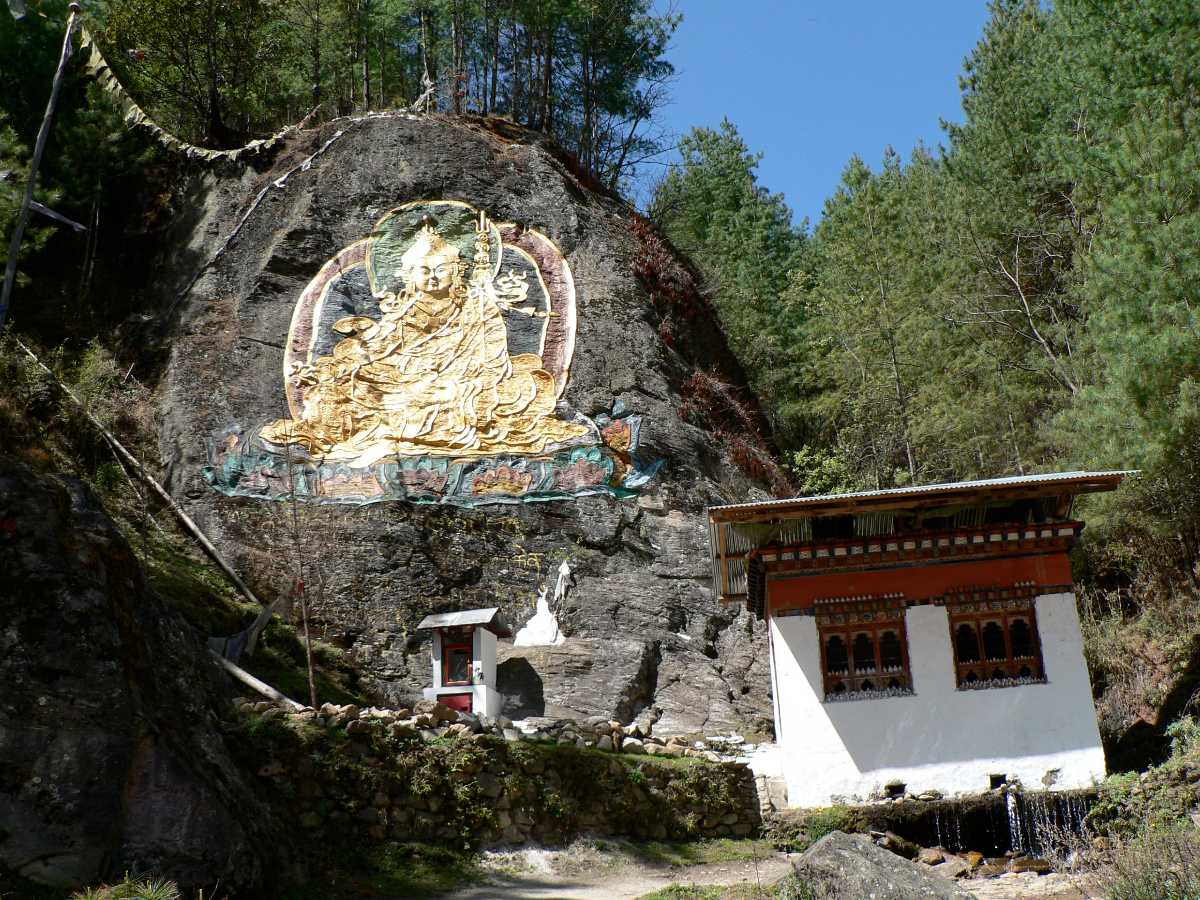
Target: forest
1021 298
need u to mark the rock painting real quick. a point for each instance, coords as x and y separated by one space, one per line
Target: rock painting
428 362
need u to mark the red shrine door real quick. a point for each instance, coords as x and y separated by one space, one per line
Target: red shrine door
460 702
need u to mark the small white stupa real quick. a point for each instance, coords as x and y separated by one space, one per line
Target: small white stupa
542 630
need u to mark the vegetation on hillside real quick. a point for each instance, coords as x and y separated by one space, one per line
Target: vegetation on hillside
1023 299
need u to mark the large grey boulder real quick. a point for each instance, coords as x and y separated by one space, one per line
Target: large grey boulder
639 602
851 867
112 756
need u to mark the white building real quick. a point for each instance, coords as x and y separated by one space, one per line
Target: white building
464 659
920 638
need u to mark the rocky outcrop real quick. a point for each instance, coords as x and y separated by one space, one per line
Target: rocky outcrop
113 760
645 637
850 866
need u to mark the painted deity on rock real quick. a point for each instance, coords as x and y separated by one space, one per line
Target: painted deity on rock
428 362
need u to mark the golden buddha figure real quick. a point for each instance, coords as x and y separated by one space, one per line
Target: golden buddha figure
431 376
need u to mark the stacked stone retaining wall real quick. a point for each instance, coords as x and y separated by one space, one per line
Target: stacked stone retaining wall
351 778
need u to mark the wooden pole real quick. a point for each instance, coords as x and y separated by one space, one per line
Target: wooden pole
149 480
261 686
10 267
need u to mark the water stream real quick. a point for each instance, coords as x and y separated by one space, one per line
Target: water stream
1013 820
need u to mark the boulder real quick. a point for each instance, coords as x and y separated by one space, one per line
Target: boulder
113 760
638 558
851 867
438 712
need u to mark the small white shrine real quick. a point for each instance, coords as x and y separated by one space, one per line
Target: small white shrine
464 659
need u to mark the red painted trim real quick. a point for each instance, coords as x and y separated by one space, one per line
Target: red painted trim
918 582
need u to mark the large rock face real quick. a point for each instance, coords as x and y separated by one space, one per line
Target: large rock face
645 638
112 758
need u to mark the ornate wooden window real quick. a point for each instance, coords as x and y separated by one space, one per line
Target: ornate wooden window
864 648
995 639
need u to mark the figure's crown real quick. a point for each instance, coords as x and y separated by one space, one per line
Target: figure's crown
427 243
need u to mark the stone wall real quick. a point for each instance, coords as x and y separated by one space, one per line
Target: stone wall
346 776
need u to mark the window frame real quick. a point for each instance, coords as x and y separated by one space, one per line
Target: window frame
848 621
458 639
979 607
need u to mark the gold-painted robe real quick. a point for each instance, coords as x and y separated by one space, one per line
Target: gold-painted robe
431 376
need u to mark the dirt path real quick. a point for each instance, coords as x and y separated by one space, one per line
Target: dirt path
584 873
611 872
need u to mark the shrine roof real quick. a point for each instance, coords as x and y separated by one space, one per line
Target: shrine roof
489 618
920 495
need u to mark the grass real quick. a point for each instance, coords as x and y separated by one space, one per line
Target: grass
393 870
279 660
130 889
797 830
789 888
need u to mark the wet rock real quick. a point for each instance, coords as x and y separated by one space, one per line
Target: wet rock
931 856
901 846
954 866
1029 864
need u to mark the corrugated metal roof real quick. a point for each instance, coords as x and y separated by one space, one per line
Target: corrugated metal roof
924 489
462 617
737 529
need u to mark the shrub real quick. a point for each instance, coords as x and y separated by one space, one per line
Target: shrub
1158 864
130 889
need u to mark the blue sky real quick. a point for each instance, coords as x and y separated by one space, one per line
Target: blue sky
810 83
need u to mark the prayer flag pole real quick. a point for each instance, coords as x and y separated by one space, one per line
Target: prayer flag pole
10 267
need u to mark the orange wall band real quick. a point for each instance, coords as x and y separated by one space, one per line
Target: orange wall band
917 582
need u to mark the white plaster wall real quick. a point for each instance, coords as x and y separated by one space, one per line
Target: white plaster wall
486 701
435 652
485 654
940 738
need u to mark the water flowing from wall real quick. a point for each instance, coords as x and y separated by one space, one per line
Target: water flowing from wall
1035 822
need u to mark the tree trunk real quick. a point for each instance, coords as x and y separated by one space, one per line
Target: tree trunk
495 56
531 85
902 405
315 51
548 83
365 45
